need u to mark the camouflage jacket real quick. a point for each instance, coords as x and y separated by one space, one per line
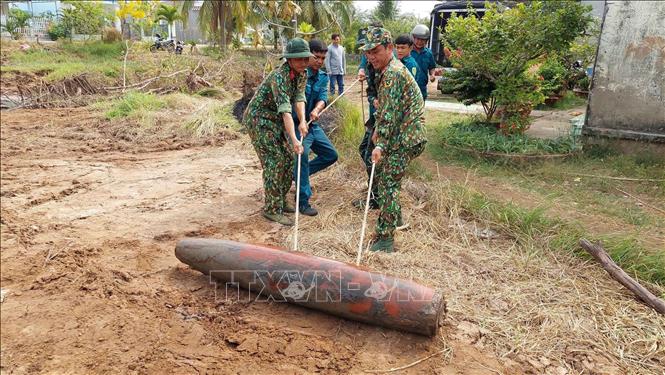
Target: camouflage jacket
399 117
276 95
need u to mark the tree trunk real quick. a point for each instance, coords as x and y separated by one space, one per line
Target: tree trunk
215 21
124 29
223 17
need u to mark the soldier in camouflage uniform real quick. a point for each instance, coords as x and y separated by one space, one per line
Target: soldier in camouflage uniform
399 133
270 126
366 72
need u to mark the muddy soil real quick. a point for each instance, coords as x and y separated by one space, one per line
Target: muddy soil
91 283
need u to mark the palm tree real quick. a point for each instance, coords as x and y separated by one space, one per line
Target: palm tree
327 14
386 10
221 17
169 14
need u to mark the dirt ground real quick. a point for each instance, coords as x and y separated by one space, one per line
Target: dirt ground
89 226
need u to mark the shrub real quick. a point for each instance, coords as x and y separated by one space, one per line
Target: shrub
16 19
111 34
553 74
500 48
469 88
84 17
57 30
584 83
518 96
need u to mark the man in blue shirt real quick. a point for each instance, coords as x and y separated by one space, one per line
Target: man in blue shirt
316 140
403 46
423 56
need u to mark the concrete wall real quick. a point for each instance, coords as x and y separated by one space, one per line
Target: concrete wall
597 7
628 95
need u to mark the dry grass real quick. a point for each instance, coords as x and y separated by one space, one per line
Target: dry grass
556 313
145 118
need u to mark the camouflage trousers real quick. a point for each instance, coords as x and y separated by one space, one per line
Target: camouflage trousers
390 171
276 158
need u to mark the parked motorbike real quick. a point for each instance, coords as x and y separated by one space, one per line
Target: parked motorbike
161 44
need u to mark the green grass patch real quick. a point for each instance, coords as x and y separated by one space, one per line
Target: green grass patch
68 59
483 138
95 49
568 101
351 129
532 228
562 180
559 181
133 104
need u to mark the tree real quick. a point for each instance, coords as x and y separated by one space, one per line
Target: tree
307 30
386 10
323 15
219 19
170 14
403 24
500 48
137 13
17 19
84 17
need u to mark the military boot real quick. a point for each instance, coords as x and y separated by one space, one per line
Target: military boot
384 244
278 218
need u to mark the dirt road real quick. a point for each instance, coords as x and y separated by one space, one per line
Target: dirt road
89 225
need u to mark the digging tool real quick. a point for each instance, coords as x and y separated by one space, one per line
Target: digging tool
362 230
337 288
295 227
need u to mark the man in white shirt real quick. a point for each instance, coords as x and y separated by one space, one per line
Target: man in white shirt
336 64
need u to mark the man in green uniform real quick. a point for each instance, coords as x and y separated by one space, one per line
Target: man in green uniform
270 126
399 133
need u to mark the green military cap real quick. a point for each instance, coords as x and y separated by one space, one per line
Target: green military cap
297 47
377 36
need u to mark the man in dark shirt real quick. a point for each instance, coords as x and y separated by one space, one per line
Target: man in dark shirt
316 93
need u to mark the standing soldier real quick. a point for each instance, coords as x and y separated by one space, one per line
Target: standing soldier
270 126
366 73
399 133
424 56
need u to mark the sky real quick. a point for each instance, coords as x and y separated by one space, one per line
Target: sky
419 8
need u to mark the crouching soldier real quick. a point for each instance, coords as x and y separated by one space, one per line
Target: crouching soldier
270 126
399 134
